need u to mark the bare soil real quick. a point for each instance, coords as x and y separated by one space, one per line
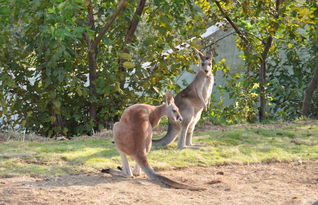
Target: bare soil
272 183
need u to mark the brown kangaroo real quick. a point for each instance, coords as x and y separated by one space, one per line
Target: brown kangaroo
133 137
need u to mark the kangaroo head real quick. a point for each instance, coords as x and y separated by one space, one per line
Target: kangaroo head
172 111
206 62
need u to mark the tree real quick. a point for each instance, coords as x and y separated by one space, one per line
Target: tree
69 67
92 45
252 36
295 64
263 30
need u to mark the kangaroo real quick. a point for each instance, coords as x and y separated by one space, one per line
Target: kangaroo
191 102
133 135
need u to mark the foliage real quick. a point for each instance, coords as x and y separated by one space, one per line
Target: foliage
47 85
45 69
283 142
292 68
290 62
234 102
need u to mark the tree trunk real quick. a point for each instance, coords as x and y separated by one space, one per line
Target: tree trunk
306 107
262 72
262 78
262 94
92 57
59 123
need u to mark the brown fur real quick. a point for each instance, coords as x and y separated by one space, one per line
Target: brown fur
133 137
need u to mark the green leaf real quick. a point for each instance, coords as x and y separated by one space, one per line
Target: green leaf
128 65
125 56
57 104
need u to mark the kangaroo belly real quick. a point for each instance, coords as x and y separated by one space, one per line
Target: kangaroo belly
132 139
206 93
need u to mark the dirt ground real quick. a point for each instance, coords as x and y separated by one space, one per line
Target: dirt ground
273 183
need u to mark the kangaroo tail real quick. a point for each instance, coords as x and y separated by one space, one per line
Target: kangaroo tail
173 130
143 163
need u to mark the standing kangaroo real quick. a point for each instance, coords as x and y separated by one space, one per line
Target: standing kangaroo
133 135
191 101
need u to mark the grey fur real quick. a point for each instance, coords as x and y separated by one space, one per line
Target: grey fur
191 102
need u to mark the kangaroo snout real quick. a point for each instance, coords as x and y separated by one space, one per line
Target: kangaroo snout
179 118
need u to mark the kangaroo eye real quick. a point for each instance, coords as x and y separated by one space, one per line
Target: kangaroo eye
174 111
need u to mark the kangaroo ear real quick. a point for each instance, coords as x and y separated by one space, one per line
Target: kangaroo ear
169 98
209 54
199 53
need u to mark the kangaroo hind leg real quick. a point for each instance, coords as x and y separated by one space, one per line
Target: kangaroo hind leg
137 170
190 134
182 139
187 115
123 171
191 128
125 165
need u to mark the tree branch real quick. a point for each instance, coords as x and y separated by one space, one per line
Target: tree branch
134 22
129 37
110 21
90 23
267 45
90 16
278 2
237 30
215 42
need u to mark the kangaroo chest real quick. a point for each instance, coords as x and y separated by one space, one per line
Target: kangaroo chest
207 88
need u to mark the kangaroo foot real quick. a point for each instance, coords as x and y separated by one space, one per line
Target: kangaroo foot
115 172
192 146
196 146
136 172
182 147
189 144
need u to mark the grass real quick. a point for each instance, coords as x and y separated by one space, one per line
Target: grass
296 141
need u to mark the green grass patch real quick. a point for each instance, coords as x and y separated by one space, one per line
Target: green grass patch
235 145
